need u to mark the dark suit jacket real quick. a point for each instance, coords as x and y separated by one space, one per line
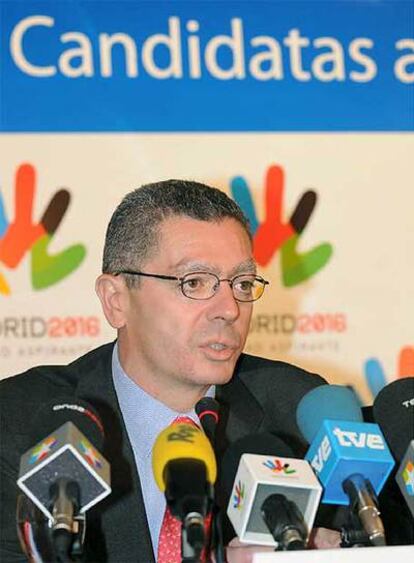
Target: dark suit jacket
261 397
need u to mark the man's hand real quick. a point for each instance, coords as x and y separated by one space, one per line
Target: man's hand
238 552
323 538
320 538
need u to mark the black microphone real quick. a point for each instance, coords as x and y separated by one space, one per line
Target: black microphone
393 410
64 474
207 410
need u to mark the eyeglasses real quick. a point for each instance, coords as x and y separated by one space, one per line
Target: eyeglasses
203 285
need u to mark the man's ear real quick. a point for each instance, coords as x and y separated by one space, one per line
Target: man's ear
112 293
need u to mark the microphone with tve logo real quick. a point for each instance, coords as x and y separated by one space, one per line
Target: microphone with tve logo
273 497
350 457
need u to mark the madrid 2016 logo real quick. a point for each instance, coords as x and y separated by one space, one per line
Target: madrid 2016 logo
23 234
273 234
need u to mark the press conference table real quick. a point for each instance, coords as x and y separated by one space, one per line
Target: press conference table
401 553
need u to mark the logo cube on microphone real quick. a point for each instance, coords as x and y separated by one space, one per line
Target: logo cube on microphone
405 477
343 448
65 453
258 477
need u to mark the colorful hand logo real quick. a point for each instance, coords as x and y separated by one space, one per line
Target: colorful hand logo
238 496
273 233
375 375
276 466
23 234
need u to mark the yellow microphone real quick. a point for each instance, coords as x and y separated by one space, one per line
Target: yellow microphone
182 441
185 469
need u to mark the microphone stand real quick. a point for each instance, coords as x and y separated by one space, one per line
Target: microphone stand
65 525
192 539
216 544
36 536
364 504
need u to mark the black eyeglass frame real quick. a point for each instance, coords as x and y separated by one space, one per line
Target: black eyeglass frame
183 278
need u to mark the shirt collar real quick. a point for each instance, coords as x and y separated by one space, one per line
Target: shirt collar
145 417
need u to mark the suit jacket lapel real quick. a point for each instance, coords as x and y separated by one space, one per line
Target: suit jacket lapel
120 521
240 413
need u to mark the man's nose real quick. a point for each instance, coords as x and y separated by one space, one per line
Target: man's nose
223 303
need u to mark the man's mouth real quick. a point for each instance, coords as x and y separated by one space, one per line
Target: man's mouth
220 350
218 346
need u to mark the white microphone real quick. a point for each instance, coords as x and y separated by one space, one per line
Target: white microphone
274 498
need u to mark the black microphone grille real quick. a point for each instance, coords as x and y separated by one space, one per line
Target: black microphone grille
64 409
394 411
207 405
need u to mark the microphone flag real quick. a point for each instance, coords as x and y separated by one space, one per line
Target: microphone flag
341 449
405 477
261 476
64 453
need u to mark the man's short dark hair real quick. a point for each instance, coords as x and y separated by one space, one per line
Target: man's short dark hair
132 234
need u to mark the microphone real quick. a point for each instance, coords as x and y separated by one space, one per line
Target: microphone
184 468
273 497
394 411
64 474
207 410
350 457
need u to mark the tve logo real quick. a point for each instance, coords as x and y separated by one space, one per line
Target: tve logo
342 448
22 234
322 455
274 233
350 439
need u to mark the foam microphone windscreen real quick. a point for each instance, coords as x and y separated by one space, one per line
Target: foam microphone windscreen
68 409
327 402
261 444
394 412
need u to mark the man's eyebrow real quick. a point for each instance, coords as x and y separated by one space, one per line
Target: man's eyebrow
246 267
188 266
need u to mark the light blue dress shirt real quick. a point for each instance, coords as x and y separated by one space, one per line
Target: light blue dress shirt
145 417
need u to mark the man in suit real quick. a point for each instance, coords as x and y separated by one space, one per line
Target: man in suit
178 285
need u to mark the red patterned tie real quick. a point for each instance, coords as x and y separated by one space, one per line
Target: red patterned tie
169 542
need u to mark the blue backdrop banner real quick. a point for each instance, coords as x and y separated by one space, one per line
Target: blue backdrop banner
207 66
